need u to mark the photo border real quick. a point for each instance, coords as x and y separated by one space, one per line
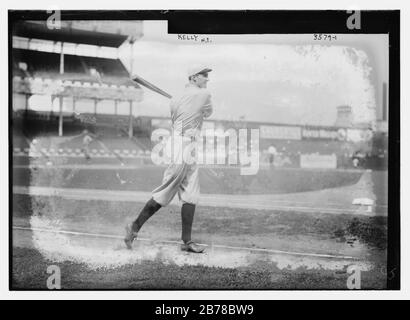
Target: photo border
257 22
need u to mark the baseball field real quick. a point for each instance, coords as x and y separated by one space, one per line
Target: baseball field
279 229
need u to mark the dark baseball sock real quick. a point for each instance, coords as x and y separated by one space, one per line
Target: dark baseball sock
187 215
149 209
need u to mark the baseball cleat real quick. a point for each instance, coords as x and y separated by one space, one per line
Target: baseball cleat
192 247
130 236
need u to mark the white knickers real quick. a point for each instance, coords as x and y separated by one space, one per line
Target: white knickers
181 176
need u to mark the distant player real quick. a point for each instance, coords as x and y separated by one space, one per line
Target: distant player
272 153
187 113
87 139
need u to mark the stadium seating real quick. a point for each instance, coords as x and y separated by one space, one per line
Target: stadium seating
19 72
106 67
76 68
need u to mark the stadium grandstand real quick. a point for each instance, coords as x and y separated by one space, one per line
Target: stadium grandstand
69 79
94 70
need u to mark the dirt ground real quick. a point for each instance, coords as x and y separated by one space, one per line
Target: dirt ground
320 233
29 272
260 228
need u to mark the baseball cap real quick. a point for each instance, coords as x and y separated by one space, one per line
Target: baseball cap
193 70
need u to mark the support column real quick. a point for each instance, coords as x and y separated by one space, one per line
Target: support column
27 96
130 127
60 119
61 59
132 57
131 124
95 106
115 107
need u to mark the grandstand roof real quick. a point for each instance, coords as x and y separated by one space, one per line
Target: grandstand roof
99 33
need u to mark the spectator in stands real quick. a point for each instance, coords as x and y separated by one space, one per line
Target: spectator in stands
358 158
355 162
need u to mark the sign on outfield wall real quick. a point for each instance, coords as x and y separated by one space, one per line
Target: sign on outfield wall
359 135
321 133
280 132
318 161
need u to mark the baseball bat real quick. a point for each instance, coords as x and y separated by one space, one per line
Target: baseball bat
150 86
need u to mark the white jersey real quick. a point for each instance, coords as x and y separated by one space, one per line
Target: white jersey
87 140
187 112
189 109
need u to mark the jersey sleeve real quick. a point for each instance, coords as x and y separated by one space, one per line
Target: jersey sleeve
207 107
172 109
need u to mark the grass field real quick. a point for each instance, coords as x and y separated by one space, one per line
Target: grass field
147 178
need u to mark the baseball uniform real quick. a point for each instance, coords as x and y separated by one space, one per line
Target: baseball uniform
187 113
86 146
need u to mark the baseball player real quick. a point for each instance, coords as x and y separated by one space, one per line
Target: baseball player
181 177
87 139
272 153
